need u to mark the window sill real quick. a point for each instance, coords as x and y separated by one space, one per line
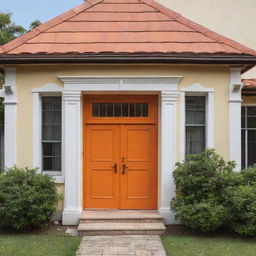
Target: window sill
59 179
57 176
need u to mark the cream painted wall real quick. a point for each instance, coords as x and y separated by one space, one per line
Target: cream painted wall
234 19
58 213
29 77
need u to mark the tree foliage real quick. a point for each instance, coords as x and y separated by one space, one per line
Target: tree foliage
35 24
8 29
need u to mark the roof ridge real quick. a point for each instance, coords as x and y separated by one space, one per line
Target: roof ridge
202 29
47 25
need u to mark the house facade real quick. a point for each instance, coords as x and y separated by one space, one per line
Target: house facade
108 96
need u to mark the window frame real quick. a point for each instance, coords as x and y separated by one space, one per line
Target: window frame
51 172
246 137
196 90
37 94
196 125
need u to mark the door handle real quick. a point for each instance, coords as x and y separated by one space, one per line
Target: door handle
115 167
124 168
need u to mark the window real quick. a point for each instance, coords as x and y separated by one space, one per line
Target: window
120 109
51 133
195 124
248 136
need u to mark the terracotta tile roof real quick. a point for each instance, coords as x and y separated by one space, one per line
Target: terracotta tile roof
249 83
122 26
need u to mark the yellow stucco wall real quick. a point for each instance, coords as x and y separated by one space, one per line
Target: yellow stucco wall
29 77
234 19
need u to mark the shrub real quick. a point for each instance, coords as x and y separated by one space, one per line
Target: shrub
241 203
200 181
27 199
240 200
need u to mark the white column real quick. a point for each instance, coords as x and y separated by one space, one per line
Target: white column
72 157
10 103
235 116
168 152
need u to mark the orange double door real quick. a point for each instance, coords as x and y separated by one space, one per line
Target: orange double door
120 163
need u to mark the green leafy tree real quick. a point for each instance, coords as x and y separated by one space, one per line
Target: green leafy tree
8 29
34 24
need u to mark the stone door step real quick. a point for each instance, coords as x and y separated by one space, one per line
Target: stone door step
121 228
127 216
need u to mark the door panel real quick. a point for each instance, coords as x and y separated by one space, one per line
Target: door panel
101 154
138 179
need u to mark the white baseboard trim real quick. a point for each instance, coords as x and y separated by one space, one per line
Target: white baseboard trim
169 216
71 216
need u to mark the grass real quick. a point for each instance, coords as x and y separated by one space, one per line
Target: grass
214 246
38 245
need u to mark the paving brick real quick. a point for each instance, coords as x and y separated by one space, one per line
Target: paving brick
123 245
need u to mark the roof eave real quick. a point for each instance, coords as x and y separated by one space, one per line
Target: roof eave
127 58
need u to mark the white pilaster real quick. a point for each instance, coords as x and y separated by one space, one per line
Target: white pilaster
168 152
72 157
235 116
10 103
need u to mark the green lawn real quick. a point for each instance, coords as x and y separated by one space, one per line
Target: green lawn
202 246
38 245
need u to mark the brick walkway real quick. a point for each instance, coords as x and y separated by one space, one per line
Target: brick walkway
126 245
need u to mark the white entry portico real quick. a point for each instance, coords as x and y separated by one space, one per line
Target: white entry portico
74 87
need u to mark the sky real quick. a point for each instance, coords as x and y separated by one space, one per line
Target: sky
26 11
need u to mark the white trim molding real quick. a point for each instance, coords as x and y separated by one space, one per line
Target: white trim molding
37 93
197 90
167 87
235 101
118 84
10 102
72 157
168 153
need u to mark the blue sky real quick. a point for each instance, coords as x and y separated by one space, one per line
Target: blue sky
26 11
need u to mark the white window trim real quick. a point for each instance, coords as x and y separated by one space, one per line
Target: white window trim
165 87
38 93
197 90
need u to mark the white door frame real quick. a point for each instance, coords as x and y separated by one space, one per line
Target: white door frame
166 87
